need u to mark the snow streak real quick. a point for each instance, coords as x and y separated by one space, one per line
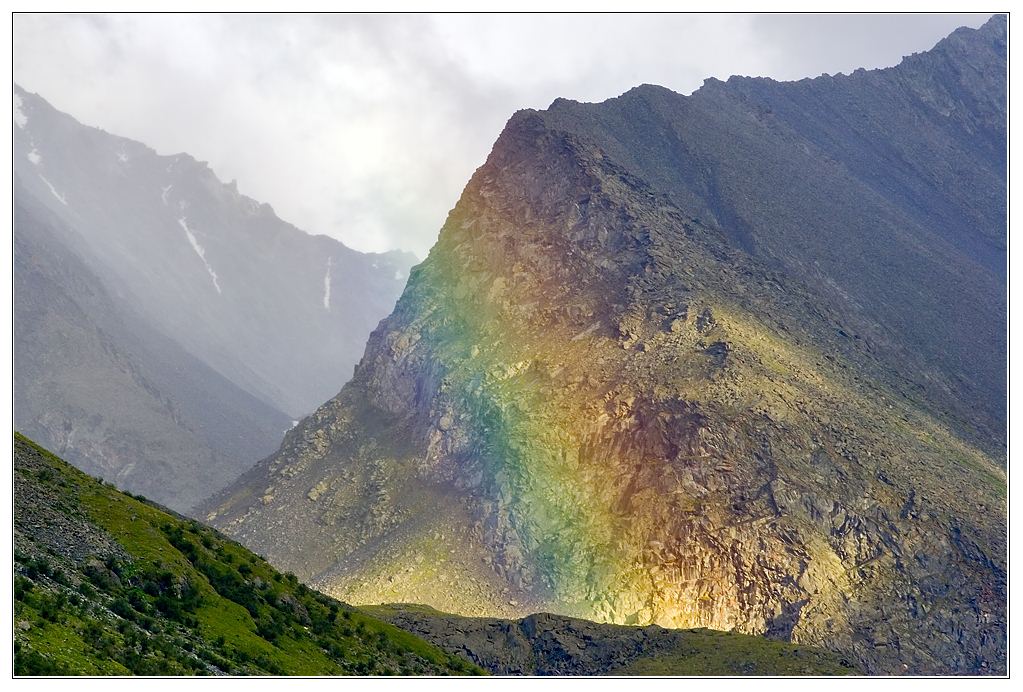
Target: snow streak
20 119
326 284
199 251
60 197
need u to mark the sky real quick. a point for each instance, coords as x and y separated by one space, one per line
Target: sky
367 127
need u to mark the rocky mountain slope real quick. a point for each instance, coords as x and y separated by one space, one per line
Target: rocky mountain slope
108 584
694 361
168 330
545 644
884 191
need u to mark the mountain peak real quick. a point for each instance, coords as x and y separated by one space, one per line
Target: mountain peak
670 362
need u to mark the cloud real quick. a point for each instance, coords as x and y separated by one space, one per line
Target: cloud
366 127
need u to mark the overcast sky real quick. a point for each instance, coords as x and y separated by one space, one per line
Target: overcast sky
367 128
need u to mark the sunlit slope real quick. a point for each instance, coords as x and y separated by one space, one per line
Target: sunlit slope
107 584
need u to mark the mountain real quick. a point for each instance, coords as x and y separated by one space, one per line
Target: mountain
112 394
109 584
733 360
545 644
168 330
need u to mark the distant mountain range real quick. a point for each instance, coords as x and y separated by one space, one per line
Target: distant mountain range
167 329
732 360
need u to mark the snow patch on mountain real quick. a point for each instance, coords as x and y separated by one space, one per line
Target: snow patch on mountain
326 284
163 194
199 250
20 119
34 157
53 190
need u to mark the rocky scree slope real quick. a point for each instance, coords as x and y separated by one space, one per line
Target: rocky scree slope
109 584
594 400
220 323
884 190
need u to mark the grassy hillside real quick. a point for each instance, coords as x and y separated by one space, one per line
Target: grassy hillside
710 652
545 644
110 584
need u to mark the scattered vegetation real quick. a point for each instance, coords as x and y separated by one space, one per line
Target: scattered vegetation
546 644
108 584
709 652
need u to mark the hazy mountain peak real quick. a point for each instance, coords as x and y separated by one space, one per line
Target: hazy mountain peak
196 277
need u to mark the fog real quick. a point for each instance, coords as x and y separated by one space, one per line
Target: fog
366 128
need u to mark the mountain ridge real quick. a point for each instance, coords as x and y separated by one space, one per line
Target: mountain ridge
115 166
782 112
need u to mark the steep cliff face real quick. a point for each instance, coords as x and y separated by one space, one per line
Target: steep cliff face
866 187
589 401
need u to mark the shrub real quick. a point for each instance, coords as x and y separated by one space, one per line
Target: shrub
37 567
22 587
34 663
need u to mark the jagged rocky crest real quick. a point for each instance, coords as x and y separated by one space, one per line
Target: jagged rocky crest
648 390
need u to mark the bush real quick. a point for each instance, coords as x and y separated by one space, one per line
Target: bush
22 587
269 628
122 607
40 566
34 663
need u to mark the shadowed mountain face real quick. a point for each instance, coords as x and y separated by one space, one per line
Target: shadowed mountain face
118 398
168 329
885 191
701 361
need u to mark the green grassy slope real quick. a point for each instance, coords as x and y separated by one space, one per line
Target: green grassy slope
710 652
110 584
